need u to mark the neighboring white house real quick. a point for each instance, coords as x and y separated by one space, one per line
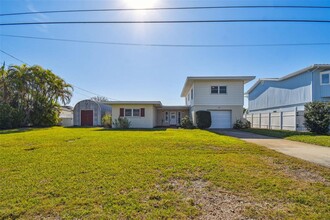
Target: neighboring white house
66 116
223 96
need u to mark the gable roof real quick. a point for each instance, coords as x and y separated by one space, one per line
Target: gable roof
309 68
191 79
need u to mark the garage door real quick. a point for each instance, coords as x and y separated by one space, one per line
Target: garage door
221 119
86 117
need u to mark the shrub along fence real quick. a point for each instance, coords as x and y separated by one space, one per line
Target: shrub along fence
289 120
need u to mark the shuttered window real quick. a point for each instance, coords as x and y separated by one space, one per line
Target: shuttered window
121 113
142 112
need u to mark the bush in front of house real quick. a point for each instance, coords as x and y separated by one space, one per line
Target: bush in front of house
242 124
122 123
107 120
317 117
186 122
203 119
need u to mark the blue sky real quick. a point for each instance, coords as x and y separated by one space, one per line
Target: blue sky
158 73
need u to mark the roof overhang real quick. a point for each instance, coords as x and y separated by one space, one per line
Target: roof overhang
175 107
309 68
155 103
191 79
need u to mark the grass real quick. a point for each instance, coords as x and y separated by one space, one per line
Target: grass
107 174
306 137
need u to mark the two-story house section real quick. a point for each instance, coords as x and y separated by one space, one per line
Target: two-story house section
291 92
223 96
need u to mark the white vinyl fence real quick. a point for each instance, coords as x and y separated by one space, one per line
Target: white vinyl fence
292 120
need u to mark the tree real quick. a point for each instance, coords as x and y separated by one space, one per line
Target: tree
317 117
33 94
100 99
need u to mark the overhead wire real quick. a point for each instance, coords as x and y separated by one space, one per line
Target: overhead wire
163 45
168 22
168 8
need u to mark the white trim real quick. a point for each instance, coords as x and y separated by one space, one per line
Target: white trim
324 73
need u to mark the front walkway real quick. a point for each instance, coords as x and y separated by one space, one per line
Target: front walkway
313 153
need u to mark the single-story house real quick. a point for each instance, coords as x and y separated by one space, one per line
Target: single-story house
148 114
89 113
223 96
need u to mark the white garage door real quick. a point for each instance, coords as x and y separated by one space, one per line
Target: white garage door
221 119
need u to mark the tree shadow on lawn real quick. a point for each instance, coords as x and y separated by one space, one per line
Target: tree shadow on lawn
240 134
280 133
17 130
131 129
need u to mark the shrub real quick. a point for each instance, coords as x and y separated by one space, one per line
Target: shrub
107 120
242 124
6 118
317 117
122 123
203 119
186 122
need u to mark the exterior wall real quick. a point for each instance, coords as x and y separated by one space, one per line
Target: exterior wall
292 92
148 121
236 111
320 92
87 105
189 101
66 117
234 96
161 121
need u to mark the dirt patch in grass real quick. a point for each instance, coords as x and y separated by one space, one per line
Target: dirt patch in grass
212 202
298 173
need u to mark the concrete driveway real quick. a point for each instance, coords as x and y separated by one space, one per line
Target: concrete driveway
309 152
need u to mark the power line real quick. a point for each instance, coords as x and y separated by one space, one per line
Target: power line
12 56
164 45
169 22
167 8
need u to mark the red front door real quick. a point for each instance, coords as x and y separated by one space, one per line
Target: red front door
86 117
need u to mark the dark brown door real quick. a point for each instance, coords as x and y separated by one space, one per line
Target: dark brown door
86 117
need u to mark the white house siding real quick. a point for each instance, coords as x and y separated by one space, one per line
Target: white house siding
148 121
236 111
234 96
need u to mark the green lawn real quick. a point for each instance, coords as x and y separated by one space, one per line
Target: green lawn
306 137
75 173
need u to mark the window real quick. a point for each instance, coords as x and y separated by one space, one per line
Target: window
325 78
218 89
192 94
214 89
132 112
136 112
128 112
166 116
223 89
